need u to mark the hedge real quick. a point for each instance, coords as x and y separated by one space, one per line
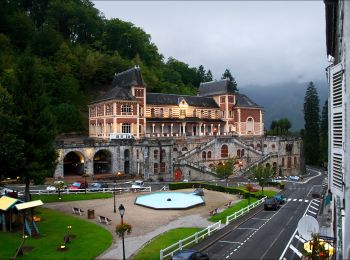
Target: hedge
231 190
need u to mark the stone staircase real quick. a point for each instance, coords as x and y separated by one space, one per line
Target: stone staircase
196 150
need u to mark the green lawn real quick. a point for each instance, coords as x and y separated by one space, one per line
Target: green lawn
236 207
90 241
152 249
71 197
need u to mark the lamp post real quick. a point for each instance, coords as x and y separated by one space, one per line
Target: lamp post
121 212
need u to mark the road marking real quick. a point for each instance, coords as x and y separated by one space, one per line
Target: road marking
294 199
235 250
247 228
306 200
312 212
231 242
300 200
302 240
296 250
264 219
313 207
289 199
315 203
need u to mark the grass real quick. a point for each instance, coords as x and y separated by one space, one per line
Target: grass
91 240
152 249
236 207
71 197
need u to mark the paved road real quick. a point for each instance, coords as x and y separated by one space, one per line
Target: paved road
268 234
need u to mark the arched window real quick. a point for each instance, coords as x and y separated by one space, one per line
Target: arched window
184 149
175 149
239 153
250 125
273 146
242 152
155 154
282 162
258 147
137 154
289 162
209 154
295 161
224 151
204 155
126 128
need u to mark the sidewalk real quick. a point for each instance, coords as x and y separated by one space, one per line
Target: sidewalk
133 244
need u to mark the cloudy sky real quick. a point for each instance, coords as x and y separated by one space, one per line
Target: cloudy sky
261 42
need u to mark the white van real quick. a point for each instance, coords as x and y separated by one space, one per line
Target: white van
137 184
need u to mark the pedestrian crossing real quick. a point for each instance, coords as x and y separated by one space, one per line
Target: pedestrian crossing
296 243
297 200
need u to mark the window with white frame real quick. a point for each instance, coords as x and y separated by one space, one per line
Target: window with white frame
126 128
126 109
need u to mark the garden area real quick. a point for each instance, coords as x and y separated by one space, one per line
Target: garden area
53 228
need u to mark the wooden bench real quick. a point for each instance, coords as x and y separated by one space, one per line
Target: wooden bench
104 220
213 212
78 211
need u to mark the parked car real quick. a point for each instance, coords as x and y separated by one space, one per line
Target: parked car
137 184
270 203
97 186
189 254
55 184
294 178
78 185
280 198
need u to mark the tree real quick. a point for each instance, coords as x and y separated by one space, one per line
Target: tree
225 169
201 73
312 125
262 174
38 125
11 152
227 75
209 76
284 124
324 133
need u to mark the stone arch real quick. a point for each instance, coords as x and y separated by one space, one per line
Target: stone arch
209 155
224 151
204 155
102 161
74 163
184 149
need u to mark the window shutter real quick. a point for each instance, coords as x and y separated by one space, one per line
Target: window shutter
337 125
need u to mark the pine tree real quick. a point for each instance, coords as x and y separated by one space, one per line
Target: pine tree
312 125
227 75
201 73
324 132
209 76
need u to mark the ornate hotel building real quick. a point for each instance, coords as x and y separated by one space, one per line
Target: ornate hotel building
217 110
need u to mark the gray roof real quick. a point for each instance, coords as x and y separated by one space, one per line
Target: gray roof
115 93
244 101
173 99
214 88
128 78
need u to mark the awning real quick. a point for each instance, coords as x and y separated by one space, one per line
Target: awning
7 202
31 204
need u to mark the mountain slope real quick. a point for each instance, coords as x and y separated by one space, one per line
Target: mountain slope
285 100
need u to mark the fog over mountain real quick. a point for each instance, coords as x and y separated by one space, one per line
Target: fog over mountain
284 101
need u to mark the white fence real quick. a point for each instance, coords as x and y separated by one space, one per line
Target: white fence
244 211
195 238
102 190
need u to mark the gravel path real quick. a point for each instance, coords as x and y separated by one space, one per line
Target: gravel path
146 223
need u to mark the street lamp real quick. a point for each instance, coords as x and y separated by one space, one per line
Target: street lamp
121 212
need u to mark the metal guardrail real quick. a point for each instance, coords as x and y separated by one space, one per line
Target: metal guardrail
244 211
103 190
195 238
